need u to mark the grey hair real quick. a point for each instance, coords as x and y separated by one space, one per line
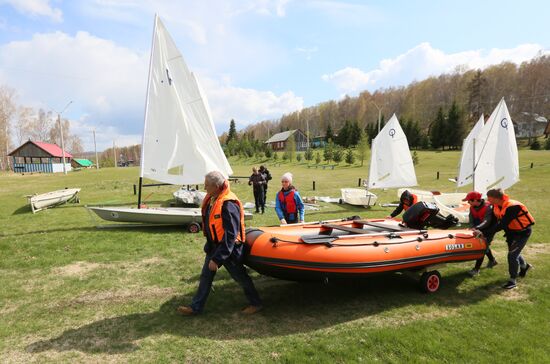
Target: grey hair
215 177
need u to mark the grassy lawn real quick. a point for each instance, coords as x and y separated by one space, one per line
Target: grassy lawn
72 293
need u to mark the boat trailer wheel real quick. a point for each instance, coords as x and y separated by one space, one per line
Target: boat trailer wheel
194 227
430 281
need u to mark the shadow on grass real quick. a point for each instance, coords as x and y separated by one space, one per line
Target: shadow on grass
25 209
290 308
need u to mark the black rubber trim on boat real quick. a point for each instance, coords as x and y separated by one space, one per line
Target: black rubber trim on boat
300 263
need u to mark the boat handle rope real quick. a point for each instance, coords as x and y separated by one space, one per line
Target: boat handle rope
274 240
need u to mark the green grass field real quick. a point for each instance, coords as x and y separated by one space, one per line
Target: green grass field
72 293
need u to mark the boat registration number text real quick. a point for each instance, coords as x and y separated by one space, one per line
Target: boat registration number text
454 246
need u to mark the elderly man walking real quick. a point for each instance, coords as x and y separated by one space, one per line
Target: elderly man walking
223 225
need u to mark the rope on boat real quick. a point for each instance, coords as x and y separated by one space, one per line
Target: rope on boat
274 240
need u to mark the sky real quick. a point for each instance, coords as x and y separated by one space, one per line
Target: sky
256 59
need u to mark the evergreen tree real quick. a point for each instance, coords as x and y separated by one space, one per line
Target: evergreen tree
308 155
327 153
317 158
350 157
298 157
337 155
232 135
535 145
477 95
342 138
354 134
437 130
329 134
547 144
455 129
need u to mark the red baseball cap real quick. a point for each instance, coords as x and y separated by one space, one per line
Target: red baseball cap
472 196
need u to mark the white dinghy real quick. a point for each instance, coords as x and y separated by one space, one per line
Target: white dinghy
391 165
51 199
489 160
180 145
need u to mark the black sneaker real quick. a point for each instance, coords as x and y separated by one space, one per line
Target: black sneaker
492 263
523 271
509 285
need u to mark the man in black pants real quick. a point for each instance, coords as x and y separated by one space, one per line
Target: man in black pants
516 221
258 183
482 219
267 176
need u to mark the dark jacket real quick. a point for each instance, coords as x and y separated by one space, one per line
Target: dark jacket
257 181
267 175
488 225
401 206
229 248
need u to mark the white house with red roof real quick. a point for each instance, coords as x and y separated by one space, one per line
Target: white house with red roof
44 157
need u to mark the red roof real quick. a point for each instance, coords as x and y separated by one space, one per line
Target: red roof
52 149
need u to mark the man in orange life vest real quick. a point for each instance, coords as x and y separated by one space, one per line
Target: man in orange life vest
406 200
223 225
514 218
482 219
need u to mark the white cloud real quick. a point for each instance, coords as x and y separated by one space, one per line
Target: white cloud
421 62
107 83
247 105
103 79
36 8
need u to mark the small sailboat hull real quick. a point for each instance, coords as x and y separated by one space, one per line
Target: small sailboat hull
353 249
152 215
358 197
51 199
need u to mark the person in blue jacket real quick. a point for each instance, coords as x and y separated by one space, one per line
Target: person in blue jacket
288 203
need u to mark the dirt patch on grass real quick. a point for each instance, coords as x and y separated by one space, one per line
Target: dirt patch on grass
517 294
81 269
77 269
536 249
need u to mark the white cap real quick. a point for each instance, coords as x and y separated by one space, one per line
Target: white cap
287 177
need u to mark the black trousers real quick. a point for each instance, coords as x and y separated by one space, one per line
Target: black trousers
259 199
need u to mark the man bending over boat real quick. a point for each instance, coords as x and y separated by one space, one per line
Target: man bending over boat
223 226
516 221
406 200
482 219
288 204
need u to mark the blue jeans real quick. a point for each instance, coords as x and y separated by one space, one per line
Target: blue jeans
237 272
516 242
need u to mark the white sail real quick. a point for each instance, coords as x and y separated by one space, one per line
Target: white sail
391 163
179 143
466 168
497 162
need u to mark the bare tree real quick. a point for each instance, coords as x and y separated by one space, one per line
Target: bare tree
23 125
7 110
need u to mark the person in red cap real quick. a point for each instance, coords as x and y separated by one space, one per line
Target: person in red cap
482 219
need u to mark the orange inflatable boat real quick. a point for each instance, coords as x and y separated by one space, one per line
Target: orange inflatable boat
344 248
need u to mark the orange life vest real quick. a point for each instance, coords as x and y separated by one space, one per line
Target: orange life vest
408 203
288 204
215 216
521 221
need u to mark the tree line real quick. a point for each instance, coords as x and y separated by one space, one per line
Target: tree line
525 88
19 123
